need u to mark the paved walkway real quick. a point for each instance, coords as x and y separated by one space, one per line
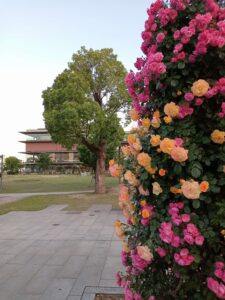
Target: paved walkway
6 198
58 255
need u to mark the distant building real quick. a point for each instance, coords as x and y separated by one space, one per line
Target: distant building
39 141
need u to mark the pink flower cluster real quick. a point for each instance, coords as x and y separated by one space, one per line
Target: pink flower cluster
214 285
167 15
154 66
179 4
183 258
178 219
222 112
192 235
129 295
168 236
139 263
162 252
185 110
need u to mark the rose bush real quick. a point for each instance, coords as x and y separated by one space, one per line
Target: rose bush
173 180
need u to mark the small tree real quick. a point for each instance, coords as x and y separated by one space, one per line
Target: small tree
12 165
43 162
82 104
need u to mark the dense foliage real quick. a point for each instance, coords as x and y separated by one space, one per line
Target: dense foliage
173 173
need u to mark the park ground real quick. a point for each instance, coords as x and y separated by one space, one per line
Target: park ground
58 247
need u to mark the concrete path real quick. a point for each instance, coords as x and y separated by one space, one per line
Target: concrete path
6 198
58 255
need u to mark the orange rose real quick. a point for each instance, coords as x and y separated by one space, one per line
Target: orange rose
167 145
175 190
171 109
119 229
146 122
137 145
111 162
204 186
167 120
131 139
143 203
156 114
150 170
155 140
144 253
145 213
218 136
162 172
200 88
130 177
179 93
126 247
191 189
123 193
155 122
134 115
144 159
126 150
179 154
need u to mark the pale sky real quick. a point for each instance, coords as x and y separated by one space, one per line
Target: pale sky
38 38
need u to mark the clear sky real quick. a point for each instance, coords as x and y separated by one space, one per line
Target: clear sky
38 38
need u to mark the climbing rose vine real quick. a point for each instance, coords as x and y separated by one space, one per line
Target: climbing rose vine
172 190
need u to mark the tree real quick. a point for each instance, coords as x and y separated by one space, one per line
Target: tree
89 158
173 175
82 105
12 165
43 162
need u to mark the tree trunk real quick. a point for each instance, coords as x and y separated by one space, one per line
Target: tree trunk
100 170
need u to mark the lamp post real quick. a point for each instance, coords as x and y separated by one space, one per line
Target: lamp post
1 169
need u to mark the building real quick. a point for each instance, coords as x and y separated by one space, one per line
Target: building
39 141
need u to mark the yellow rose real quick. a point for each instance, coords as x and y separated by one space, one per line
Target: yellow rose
167 145
146 122
218 136
144 253
179 154
171 109
200 88
156 188
191 189
155 140
134 115
144 159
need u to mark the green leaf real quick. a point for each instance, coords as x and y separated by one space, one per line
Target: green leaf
177 169
196 204
174 82
181 65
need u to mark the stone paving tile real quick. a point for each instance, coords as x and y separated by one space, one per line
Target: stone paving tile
58 290
51 254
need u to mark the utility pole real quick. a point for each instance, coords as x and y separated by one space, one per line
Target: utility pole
1 170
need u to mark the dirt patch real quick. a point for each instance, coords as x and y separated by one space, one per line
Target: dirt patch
109 297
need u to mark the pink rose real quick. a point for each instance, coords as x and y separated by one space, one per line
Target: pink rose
161 252
185 218
189 96
219 265
199 240
160 37
189 239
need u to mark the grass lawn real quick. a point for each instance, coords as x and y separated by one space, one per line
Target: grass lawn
74 202
50 183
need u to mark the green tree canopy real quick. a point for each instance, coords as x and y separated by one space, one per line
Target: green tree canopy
43 162
12 165
82 104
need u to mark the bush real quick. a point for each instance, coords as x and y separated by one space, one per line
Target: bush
173 191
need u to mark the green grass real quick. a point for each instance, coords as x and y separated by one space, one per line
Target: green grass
50 183
74 202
